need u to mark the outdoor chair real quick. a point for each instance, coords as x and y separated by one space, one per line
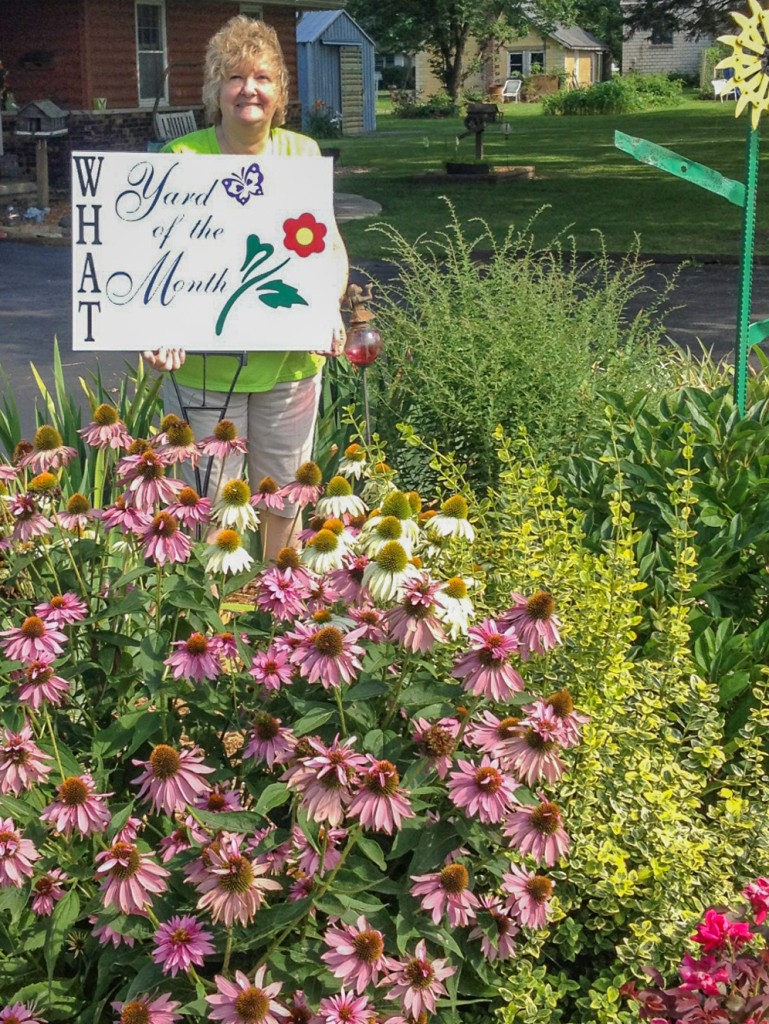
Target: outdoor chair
173 124
511 90
724 89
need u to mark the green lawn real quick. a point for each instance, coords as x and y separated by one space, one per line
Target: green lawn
583 182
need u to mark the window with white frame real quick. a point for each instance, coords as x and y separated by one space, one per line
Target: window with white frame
151 51
525 62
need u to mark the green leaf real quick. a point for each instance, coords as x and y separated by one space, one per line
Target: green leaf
127 734
230 821
64 916
372 850
274 795
282 296
119 820
312 721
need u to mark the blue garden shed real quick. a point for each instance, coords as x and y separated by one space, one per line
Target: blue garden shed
335 66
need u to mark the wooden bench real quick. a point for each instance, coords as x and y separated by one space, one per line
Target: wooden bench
174 123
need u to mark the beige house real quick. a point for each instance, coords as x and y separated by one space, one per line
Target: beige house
662 50
573 53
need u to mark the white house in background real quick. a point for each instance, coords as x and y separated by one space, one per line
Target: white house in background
662 51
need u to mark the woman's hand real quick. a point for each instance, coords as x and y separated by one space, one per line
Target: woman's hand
165 358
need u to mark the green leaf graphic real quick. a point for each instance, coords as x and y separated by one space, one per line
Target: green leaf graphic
282 295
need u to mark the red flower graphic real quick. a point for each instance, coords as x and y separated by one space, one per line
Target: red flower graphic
304 235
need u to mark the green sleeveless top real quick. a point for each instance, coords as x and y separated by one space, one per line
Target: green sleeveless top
263 370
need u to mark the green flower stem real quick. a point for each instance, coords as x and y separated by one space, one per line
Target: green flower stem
49 723
342 721
466 721
396 695
227 952
321 891
83 589
49 560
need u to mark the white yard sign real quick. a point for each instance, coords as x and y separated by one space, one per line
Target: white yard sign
210 254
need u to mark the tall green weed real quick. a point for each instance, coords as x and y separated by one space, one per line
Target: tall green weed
623 94
479 333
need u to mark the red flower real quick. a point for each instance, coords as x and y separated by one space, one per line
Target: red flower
304 235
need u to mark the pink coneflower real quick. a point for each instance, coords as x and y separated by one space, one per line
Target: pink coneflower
325 778
181 943
177 443
370 623
321 857
300 889
757 894
62 610
437 740
537 830
106 934
413 623
507 929
380 803
130 830
22 762
193 659
106 429
492 735
345 1008
321 596
299 1010
147 1011
78 513
483 791
269 741
529 896
8 473
267 496
33 640
419 981
531 757
125 517
47 891
281 594
163 542
225 645
129 879
329 656
49 451
172 778
245 1002
348 580
147 483
356 954
190 509
533 620
41 685
20 1013
220 799
28 521
179 840
232 888
446 892
78 807
272 669
305 490
17 855
562 707
224 442
484 669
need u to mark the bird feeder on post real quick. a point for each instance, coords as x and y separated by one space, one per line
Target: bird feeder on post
41 120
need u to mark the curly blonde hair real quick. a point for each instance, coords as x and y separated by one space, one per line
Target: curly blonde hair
240 42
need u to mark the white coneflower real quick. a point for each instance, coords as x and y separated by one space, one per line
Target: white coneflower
380 531
353 463
324 552
400 506
385 576
454 607
227 553
339 500
379 484
234 510
452 521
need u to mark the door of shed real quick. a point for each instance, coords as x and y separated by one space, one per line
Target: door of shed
351 74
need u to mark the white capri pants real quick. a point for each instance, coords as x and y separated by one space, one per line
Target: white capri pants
279 426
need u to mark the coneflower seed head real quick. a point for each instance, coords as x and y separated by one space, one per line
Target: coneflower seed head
105 415
225 431
47 438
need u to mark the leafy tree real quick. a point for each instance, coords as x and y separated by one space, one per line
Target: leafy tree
443 27
695 17
605 20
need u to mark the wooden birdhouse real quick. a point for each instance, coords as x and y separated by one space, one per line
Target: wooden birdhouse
41 119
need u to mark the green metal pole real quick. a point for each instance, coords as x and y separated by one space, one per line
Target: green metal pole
746 269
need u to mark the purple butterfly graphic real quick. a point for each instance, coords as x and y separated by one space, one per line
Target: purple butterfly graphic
244 185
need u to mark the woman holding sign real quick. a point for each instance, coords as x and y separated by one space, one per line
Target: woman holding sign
274 403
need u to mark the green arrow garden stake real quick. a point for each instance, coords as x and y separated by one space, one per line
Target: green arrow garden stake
749 63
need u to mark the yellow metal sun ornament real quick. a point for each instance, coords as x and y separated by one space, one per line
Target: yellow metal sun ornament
750 60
